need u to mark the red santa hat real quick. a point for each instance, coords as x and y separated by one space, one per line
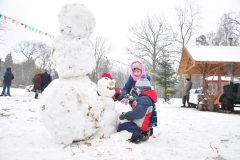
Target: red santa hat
107 75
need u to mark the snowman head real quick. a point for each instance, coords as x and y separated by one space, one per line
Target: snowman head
106 87
76 20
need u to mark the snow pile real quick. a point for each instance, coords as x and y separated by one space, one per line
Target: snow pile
68 106
106 88
122 136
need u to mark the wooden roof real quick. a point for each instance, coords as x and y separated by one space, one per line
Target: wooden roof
189 65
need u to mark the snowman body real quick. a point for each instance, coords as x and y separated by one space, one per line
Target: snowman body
69 108
106 89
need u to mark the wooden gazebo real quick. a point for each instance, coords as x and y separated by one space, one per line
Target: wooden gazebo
210 61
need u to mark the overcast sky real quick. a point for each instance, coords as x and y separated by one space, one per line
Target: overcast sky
113 18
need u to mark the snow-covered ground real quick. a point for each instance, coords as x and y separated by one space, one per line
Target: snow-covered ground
182 133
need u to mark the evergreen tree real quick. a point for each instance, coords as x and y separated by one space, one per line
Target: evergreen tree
167 79
8 61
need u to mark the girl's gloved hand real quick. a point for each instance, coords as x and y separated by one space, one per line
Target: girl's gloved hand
124 101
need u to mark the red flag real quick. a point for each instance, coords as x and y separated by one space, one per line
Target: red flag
53 36
39 32
5 17
25 26
13 20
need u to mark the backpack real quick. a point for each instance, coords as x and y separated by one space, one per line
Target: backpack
154 117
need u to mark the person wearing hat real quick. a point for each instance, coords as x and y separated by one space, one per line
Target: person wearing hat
186 90
137 68
141 114
117 94
7 81
37 84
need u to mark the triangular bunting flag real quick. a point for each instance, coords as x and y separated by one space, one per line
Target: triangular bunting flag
17 22
42 33
25 26
9 18
32 29
50 36
45 34
5 17
13 20
22 24
36 30
53 36
0 15
29 27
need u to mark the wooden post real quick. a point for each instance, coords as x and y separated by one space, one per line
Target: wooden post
219 81
189 76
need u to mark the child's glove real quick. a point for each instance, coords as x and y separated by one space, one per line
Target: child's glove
122 116
124 101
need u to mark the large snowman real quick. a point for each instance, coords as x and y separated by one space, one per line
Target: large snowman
69 107
106 89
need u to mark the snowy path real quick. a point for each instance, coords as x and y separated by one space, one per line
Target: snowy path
183 133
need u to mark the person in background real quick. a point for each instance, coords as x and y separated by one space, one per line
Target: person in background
117 94
50 76
37 85
137 68
7 81
187 88
46 79
141 114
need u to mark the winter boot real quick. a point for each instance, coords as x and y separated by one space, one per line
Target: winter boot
183 105
151 131
36 96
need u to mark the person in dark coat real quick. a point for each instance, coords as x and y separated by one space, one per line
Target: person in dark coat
7 81
185 97
46 79
37 85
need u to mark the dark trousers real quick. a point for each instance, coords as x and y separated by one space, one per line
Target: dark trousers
130 127
184 99
43 87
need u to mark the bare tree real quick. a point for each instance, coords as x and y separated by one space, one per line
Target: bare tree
29 51
227 31
188 21
43 56
102 47
150 39
234 18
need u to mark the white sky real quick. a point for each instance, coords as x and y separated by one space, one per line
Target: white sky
113 18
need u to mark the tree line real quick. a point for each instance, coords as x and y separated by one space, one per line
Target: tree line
153 40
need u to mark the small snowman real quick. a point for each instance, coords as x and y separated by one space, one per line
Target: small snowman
69 108
106 90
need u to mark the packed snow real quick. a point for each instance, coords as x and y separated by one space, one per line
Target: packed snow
76 20
69 106
215 53
182 133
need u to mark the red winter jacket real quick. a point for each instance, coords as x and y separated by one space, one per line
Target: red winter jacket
142 109
38 82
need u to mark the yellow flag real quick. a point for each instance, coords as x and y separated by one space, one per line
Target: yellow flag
17 22
42 33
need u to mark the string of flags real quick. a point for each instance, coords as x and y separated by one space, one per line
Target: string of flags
30 28
105 57
27 26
